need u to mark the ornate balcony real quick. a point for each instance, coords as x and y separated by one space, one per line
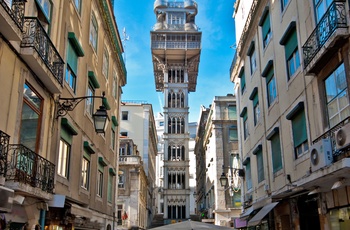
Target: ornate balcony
29 172
11 19
39 52
328 34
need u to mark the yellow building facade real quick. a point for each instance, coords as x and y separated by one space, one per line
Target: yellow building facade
56 172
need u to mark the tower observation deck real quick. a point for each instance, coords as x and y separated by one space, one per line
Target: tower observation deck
176 48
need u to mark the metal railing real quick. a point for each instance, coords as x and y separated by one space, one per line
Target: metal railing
35 36
16 11
27 167
335 17
4 143
175 45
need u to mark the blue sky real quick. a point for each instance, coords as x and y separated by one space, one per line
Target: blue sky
214 19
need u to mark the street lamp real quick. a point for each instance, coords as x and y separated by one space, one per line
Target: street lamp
100 117
234 173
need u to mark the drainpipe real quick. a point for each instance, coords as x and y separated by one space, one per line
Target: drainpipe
42 219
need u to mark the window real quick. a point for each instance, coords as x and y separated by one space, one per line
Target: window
105 63
85 171
321 7
256 108
63 159
121 180
284 4
260 163
77 4
266 27
176 18
115 85
242 77
290 42
125 115
248 173
30 118
176 125
337 96
110 186
161 123
274 138
244 115
45 6
232 112
100 181
74 50
90 101
233 135
93 32
252 57
270 82
112 138
297 117
119 214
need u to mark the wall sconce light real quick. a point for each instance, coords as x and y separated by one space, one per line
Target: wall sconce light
338 183
314 191
100 117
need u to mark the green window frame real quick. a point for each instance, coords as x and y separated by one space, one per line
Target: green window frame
299 129
259 163
265 27
241 76
276 152
248 170
99 181
244 115
290 42
254 97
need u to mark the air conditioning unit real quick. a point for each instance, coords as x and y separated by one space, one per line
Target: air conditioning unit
6 199
321 154
342 137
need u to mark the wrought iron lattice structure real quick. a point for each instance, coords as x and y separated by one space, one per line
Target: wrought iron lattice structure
4 143
16 11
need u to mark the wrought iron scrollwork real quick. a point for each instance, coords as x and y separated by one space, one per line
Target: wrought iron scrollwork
4 143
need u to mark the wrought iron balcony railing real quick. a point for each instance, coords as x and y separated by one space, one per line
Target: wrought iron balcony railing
334 18
16 11
35 36
25 166
129 160
4 143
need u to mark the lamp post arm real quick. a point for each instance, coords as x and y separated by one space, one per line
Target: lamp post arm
68 104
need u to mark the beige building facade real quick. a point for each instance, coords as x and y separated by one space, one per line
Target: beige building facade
291 75
59 171
217 154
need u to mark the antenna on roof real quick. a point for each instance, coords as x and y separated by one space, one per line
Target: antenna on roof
125 38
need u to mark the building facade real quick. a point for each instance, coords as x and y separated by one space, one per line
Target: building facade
217 154
61 173
176 46
132 187
291 75
138 124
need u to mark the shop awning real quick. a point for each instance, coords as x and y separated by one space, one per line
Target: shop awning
247 212
80 211
240 223
261 214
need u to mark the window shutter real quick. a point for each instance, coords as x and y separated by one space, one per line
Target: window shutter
266 25
291 44
299 128
72 58
276 153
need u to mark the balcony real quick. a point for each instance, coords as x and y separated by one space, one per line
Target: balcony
41 55
28 172
4 143
129 160
324 41
11 19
